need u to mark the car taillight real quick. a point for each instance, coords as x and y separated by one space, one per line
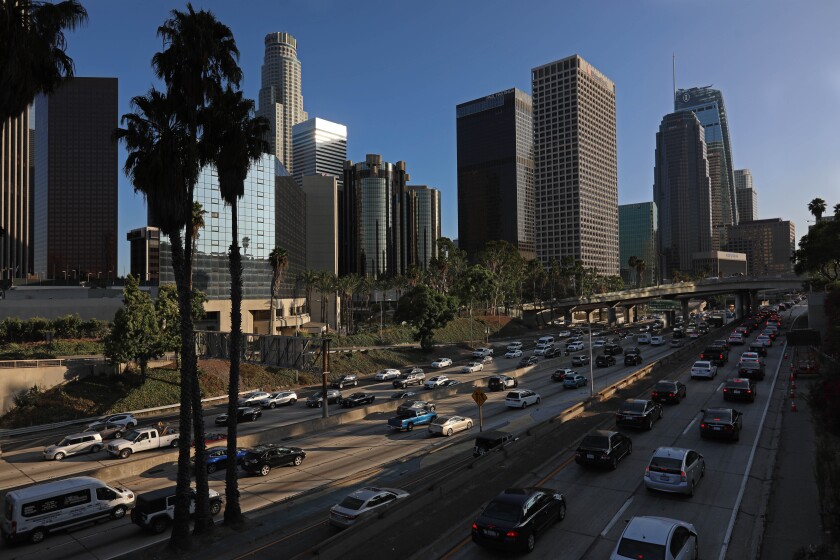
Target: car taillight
654 394
749 391
512 534
670 394
725 390
475 526
682 476
703 426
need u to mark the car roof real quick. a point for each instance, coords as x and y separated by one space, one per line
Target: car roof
650 529
369 492
676 452
517 496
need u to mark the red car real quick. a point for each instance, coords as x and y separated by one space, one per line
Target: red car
211 438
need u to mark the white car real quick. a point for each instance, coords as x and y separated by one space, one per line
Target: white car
125 419
656 537
482 352
387 374
448 425
513 353
486 359
764 339
564 334
514 346
436 381
472 367
363 503
253 398
703 369
657 340
442 363
521 398
750 357
280 397
601 342
574 346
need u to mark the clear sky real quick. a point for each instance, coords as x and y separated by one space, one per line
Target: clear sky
393 71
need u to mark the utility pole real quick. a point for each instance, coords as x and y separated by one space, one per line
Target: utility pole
325 362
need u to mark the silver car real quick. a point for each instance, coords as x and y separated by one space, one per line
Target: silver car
448 425
674 469
363 503
279 398
86 442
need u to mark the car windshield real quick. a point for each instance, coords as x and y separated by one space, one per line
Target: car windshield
503 511
633 406
352 503
596 442
132 435
717 416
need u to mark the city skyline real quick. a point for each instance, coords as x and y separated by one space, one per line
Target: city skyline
748 66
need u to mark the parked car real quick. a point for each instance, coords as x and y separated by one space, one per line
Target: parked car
387 374
351 379
656 537
560 374
668 391
739 389
638 413
582 360
603 447
521 398
721 423
252 399
632 359
279 398
316 400
516 353
703 369
364 503
357 399
243 413
527 361
674 469
448 425
435 382
514 518
74 444
108 430
217 458
574 380
501 382
472 367
604 361
442 363
261 459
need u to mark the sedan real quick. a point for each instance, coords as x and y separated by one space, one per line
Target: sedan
516 516
573 381
316 399
739 389
279 398
580 360
703 369
638 413
436 381
674 469
668 391
387 374
217 458
242 413
442 363
448 425
514 353
364 503
108 430
764 340
721 423
252 398
403 395
656 537
450 383
736 339
357 399
527 361
472 367
263 458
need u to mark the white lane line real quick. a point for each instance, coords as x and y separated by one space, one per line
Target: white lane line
719 387
690 424
617 515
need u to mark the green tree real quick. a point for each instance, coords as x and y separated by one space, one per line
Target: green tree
632 262
347 286
817 208
135 335
505 263
641 265
325 284
308 278
446 266
426 310
169 317
33 57
819 253
279 261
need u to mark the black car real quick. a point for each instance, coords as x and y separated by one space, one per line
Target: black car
357 399
604 360
603 447
638 413
345 380
632 359
403 395
678 333
501 382
718 355
613 349
633 350
721 423
668 391
316 400
580 360
751 370
527 361
263 458
243 413
739 389
552 352
516 516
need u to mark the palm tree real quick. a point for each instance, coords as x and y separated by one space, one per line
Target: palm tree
641 265
279 261
325 284
307 278
198 212
817 208
346 286
633 262
238 139
32 50
837 211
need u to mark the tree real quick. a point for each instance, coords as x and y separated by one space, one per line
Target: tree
837 211
425 309
169 317
503 261
325 284
632 262
198 213
135 334
279 261
447 265
308 278
641 265
817 208
347 286
819 253
33 57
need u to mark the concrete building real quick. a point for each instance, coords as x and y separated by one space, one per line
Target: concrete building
144 245
76 180
575 164
769 245
639 237
423 213
745 196
719 264
322 192
320 147
682 192
16 205
280 99
496 172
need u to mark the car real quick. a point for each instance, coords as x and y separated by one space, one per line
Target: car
448 425
501 382
261 459
74 444
442 363
678 332
279 398
674 469
552 352
527 361
574 380
514 518
486 359
668 391
514 346
604 360
582 360
243 413
718 355
357 399
603 447
764 340
677 342
599 343
155 510
108 430
703 369
435 382
416 405
217 458
521 398
575 346
481 352
364 503
253 398
657 340
472 367
564 334
560 374
739 389
632 359
387 374
124 419
736 339
450 383
412 370
541 349
613 349
643 338
513 353
211 438
403 395
751 369
638 413
656 537
345 380
316 400
721 423
749 356
408 379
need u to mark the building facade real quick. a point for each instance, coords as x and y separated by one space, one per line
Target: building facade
290 231
639 237
144 246
718 264
745 196
280 98
320 148
76 180
423 213
769 245
575 164
16 208
682 192
496 172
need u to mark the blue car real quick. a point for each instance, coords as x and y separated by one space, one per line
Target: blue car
573 381
217 458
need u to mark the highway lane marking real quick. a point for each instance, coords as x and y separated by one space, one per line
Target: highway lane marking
719 387
616 517
690 424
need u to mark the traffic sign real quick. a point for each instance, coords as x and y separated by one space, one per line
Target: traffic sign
479 397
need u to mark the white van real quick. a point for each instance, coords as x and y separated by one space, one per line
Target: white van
545 340
35 511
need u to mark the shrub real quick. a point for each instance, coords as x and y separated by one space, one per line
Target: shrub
27 397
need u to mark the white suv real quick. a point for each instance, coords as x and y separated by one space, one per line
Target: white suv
514 346
521 398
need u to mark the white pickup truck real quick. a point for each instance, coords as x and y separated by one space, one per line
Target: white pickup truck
143 439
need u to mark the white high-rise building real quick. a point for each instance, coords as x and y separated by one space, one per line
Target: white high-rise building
320 148
280 99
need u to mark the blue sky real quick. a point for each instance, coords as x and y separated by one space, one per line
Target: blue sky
393 71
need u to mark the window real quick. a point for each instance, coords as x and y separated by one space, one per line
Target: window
681 536
105 494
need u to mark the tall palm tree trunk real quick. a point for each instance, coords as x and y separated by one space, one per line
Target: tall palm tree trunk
233 509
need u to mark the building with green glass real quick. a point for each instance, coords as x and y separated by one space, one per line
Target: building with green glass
638 237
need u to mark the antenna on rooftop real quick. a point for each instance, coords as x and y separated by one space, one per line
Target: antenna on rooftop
674 74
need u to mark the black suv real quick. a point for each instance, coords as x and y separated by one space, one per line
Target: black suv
638 413
155 510
501 382
346 380
632 359
408 379
242 413
613 349
316 400
516 516
718 355
263 458
604 360
602 447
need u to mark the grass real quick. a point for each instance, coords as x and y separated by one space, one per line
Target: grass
46 350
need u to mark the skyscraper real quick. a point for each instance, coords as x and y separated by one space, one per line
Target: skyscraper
15 197
320 148
496 172
745 196
639 237
707 104
682 191
575 164
423 213
769 245
76 179
280 100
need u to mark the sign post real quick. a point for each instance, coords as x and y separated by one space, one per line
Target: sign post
480 397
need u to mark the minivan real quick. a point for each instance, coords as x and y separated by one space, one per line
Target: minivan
35 511
545 341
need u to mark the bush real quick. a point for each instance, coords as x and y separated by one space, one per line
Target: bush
27 397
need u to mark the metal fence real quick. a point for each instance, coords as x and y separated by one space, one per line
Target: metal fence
293 352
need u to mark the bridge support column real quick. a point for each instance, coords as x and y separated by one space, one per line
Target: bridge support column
753 301
684 303
739 305
611 316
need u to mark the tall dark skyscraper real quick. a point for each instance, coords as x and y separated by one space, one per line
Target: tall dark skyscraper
682 191
707 104
15 197
76 180
496 172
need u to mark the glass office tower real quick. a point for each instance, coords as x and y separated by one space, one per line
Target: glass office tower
320 148
423 223
638 237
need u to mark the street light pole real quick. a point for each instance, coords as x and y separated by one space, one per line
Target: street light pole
591 370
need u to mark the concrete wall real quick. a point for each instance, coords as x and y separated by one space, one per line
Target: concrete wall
45 376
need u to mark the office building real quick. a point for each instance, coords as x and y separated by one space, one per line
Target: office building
320 147
15 198
76 172
575 164
280 99
423 221
144 248
682 192
496 172
769 245
322 195
745 196
718 264
639 237
290 232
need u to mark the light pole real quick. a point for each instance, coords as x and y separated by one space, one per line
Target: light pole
591 370
109 275
88 280
65 276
